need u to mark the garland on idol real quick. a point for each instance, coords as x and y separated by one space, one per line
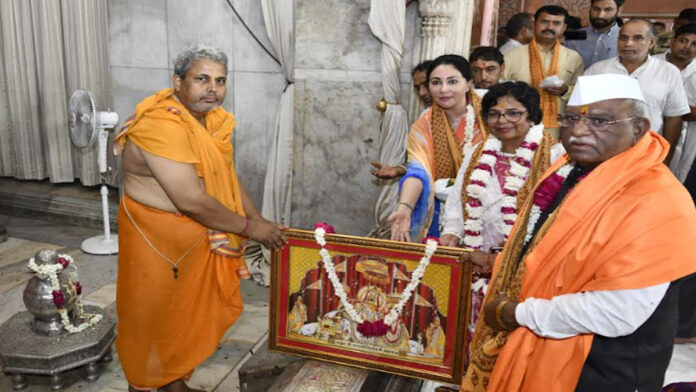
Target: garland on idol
379 327
520 165
51 272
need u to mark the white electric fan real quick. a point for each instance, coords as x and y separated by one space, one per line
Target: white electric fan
86 125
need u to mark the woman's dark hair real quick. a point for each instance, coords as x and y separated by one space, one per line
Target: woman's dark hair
525 94
454 60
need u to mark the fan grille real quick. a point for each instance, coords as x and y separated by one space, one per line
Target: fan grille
82 118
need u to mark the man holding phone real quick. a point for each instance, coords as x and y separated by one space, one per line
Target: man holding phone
601 37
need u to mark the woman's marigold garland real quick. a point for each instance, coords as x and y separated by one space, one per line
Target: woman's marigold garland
51 272
379 327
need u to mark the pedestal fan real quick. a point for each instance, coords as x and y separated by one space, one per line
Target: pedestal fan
87 125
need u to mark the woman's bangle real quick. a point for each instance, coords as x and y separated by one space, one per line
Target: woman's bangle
244 232
403 167
406 205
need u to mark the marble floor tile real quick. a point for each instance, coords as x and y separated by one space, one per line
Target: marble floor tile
104 296
10 243
211 372
250 327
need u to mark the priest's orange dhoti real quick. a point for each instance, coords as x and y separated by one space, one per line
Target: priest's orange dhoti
168 326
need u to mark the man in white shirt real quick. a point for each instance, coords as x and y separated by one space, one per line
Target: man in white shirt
582 296
660 82
682 53
520 30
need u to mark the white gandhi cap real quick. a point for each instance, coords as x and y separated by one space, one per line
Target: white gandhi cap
595 88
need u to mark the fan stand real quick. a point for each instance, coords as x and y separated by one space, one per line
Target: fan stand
106 244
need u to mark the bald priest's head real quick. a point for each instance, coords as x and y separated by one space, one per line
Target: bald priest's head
605 116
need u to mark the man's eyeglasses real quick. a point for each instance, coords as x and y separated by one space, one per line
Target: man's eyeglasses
512 116
568 120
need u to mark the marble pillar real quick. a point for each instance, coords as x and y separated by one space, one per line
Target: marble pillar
435 20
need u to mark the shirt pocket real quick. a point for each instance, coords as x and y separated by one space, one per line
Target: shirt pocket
656 96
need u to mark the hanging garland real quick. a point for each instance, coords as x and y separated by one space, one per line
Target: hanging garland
469 129
379 327
51 272
520 166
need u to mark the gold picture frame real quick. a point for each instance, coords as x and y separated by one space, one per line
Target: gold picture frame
307 318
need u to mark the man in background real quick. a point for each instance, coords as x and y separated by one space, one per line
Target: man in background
487 66
545 64
520 29
602 33
681 54
664 40
660 81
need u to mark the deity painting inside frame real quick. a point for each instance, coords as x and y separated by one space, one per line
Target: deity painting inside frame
312 321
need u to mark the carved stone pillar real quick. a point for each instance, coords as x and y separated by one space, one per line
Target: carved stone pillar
436 16
459 38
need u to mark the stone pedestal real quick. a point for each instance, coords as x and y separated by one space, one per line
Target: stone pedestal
24 352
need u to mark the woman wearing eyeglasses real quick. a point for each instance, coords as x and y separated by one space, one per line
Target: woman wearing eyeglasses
496 178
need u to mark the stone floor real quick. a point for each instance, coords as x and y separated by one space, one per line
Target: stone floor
98 274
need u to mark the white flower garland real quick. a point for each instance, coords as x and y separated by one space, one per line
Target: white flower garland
51 271
535 213
469 130
393 315
520 165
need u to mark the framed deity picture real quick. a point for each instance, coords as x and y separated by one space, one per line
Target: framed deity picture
320 313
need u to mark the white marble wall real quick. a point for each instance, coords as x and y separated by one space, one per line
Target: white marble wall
338 83
146 36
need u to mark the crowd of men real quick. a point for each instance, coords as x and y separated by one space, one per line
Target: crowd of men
537 50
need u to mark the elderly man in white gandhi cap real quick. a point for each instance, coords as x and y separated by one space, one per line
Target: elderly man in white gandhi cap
584 296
